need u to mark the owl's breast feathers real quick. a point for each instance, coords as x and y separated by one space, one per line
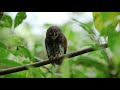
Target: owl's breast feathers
63 42
58 46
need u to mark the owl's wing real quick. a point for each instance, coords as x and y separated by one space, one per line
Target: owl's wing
47 47
64 44
61 49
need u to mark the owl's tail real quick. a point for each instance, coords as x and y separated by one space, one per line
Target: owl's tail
59 62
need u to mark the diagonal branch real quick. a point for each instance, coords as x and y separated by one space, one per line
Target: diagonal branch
42 63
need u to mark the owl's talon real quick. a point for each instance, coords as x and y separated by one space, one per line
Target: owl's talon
51 58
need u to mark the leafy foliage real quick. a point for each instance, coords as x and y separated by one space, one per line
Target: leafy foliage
5 63
106 21
18 50
3 53
24 52
6 21
19 18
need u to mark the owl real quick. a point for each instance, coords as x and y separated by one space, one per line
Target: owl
56 43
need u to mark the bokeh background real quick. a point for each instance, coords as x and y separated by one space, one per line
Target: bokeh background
33 29
21 44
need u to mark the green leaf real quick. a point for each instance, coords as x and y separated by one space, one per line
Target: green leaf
15 75
79 74
24 52
6 21
36 73
2 45
92 62
21 74
114 44
86 26
65 69
105 21
82 25
6 63
113 39
19 18
3 53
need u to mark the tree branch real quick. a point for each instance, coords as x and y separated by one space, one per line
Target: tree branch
42 63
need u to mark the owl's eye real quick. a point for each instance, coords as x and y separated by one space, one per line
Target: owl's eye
50 33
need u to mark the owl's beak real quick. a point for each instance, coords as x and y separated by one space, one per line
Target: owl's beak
54 34
54 37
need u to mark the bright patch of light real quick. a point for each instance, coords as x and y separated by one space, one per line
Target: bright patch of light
40 18
86 17
37 19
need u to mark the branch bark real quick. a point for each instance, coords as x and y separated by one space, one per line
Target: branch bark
42 63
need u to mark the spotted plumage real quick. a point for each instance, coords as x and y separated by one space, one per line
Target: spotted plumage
56 43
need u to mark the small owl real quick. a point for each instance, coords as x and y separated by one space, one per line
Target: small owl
56 43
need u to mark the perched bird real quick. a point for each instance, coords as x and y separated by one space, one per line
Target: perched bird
56 43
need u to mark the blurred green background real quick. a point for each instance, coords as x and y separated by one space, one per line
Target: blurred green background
22 37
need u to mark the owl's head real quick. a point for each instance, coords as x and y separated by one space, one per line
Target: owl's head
53 32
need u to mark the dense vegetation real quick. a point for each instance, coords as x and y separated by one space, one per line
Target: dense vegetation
21 49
